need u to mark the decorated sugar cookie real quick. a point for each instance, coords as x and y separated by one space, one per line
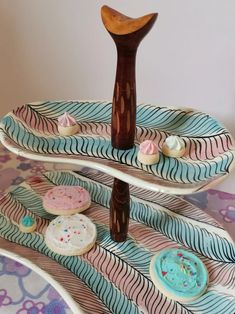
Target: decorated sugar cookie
179 275
148 153
27 224
67 125
71 235
173 146
66 200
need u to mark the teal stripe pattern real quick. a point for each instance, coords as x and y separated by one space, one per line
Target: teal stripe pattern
116 302
188 122
178 170
136 294
180 230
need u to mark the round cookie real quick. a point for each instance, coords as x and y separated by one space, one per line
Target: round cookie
71 235
148 153
179 275
173 146
66 200
67 125
27 224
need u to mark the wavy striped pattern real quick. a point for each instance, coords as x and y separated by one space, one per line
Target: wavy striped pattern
172 203
176 227
177 170
87 300
117 273
133 283
216 303
209 146
154 241
117 302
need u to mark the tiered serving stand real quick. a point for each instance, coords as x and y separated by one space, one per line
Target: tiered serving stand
110 133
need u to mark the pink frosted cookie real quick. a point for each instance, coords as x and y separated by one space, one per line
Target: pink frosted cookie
148 153
67 125
71 235
66 200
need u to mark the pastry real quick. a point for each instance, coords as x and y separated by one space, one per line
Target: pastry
71 235
148 153
67 125
174 146
66 200
27 224
179 275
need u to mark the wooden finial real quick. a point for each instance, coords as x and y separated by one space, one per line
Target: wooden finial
120 24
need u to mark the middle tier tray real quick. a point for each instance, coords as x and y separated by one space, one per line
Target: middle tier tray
114 277
31 131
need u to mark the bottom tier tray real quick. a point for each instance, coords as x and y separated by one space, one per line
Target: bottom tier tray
114 277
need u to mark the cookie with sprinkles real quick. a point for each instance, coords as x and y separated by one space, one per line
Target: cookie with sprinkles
71 235
178 274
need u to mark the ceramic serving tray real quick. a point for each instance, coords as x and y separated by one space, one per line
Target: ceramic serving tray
114 277
31 131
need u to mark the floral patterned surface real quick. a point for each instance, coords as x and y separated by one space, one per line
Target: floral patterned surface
18 294
22 291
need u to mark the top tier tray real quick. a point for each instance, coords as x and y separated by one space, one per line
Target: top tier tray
31 131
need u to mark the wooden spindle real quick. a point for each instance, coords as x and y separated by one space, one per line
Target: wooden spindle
120 207
127 34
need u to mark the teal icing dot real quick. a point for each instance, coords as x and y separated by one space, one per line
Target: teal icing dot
27 221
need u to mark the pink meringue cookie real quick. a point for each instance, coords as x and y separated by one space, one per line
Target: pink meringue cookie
148 147
148 153
67 125
66 120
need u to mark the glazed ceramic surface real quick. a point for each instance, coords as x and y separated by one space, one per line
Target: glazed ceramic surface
31 131
114 277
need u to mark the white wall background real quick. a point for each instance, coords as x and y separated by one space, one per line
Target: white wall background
55 49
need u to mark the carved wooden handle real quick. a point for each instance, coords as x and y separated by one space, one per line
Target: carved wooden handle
127 33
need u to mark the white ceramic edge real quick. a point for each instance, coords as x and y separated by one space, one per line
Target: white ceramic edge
108 170
64 294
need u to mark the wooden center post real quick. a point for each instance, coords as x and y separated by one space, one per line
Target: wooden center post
127 34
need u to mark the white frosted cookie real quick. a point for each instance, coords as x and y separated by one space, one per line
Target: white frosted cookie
173 146
66 200
71 235
179 275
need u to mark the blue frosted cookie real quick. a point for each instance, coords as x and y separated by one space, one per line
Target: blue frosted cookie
179 275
